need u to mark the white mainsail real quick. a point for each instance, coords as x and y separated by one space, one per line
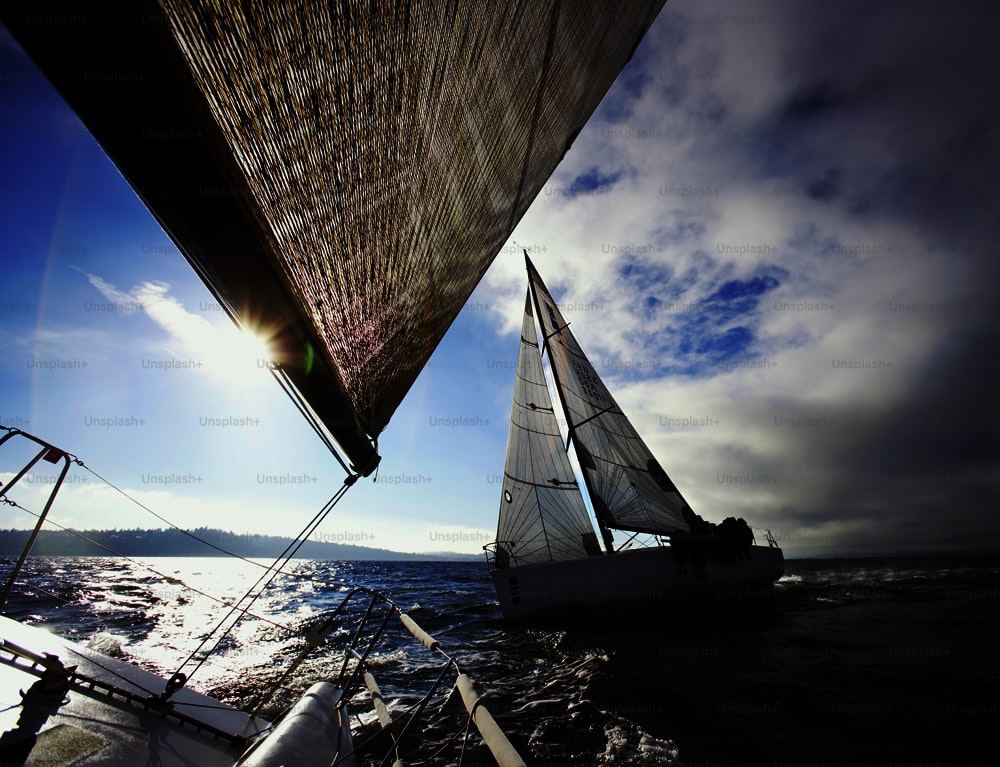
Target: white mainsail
542 513
627 486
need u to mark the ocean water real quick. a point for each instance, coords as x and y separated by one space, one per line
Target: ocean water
890 662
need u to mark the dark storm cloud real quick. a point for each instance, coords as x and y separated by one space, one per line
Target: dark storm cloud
813 101
808 253
826 188
899 115
930 463
891 110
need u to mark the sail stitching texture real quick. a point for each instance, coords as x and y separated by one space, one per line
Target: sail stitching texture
389 148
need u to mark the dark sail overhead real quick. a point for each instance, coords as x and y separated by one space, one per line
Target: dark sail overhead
543 517
341 175
627 486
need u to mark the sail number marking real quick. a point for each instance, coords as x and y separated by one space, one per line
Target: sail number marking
589 384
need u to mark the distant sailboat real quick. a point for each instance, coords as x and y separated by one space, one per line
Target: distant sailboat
547 555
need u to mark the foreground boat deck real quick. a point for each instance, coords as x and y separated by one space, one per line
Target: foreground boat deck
93 727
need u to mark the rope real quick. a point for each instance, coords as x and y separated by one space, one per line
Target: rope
241 608
169 578
161 518
461 731
111 671
350 480
307 413
274 569
48 593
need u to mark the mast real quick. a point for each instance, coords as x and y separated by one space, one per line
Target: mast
628 487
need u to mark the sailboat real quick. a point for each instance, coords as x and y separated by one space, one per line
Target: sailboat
548 558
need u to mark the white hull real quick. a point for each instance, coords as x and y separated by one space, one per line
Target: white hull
648 575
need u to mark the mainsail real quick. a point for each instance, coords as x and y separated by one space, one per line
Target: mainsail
627 486
340 174
542 514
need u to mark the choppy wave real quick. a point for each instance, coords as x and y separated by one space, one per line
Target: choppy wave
871 647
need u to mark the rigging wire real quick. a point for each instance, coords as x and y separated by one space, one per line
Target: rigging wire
220 549
55 596
308 414
274 570
463 731
166 521
351 478
178 680
299 576
108 669
168 578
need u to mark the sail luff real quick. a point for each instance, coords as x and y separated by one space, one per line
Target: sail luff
542 516
628 487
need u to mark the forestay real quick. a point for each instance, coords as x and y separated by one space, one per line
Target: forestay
627 486
542 514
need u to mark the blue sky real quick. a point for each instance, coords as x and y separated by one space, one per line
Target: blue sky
775 239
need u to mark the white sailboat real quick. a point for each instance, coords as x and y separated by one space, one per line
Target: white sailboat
548 557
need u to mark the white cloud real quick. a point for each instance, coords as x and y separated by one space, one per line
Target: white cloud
849 270
237 359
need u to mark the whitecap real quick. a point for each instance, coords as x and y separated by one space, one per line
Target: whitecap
106 644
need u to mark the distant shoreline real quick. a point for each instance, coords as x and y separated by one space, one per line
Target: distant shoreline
201 542
211 542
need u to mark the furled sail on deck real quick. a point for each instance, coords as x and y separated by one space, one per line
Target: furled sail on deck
542 514
627 486
340 174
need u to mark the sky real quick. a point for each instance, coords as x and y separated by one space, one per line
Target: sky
775 239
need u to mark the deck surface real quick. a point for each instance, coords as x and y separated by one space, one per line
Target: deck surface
89 729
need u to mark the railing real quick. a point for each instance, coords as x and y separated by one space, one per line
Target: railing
354 675
499 555
51 454
493 736
40 665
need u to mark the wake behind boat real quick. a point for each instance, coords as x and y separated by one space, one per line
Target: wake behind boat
548 557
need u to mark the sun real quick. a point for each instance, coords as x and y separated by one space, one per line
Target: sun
242 358
255 346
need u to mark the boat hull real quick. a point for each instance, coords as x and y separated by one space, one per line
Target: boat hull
636 576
